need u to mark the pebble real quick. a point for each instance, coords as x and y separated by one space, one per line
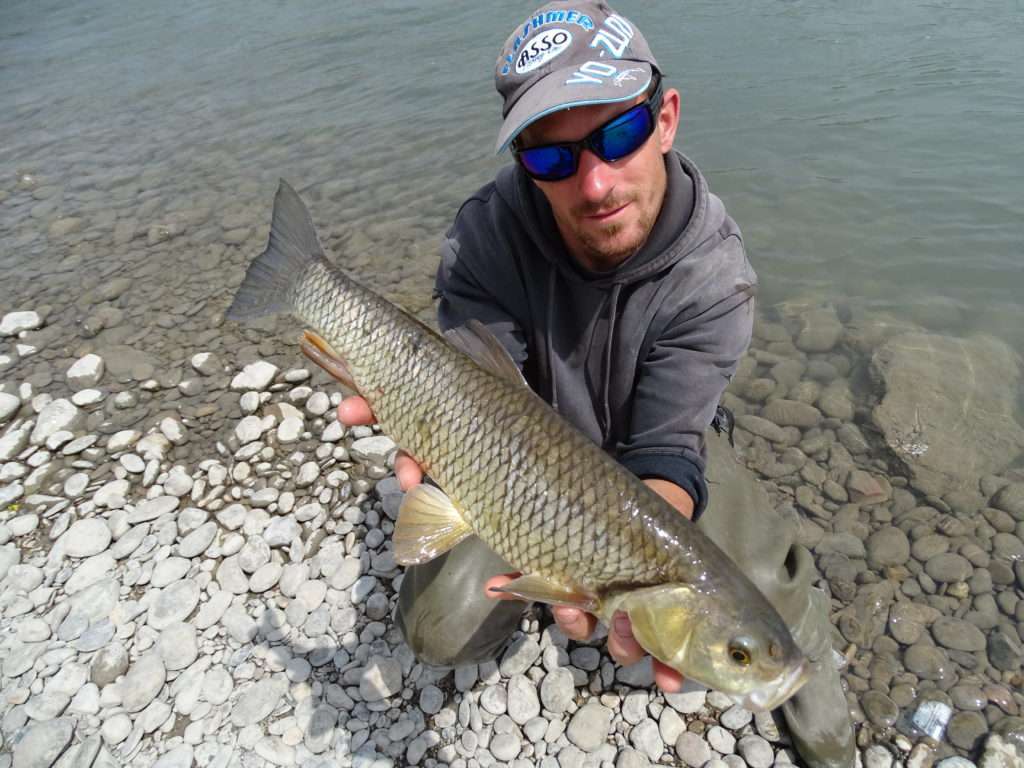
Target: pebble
143 682
254 376
692 749
178 646
588 728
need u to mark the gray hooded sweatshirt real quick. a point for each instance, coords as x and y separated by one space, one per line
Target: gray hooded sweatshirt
636 357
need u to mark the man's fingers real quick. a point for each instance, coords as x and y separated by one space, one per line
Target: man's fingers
622 646
667 678
409 473
355 411
500 581
576 624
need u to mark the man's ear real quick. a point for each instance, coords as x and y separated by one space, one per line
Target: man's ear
668 119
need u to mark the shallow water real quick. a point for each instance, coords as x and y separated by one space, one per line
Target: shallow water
871 155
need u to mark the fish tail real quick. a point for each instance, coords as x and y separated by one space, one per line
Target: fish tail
269 285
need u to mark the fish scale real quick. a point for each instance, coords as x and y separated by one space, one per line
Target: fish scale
583 529
516 486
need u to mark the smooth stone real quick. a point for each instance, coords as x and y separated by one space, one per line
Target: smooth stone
888 546
109 664
90 571
1004 650
151 509
791 413
143 682
168 571
588 728
256 702
255 376
198 541
757 752
265 577
880 709
43 743
692 749
381 678
86 538
557 690
957 634
174 603
177 645
948 567
57 415
965 729
86 372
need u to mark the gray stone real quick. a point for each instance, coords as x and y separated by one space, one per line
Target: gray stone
256 702
522 701
179 757
86 538
647 739
89 572
756 751
198 541
557 690
151 509
265 577
43 743
520 656
143 682
791 413
1004 650
174 603
169 571
888 546
721 740
239 624
957 634
948 567
108 664
381 678
282 531
177 645
693 750
588 728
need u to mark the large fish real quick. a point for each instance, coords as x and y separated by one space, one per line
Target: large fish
582 529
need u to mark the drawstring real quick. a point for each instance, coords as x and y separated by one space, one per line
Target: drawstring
548 333
607 375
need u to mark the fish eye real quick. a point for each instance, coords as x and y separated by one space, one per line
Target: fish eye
739 652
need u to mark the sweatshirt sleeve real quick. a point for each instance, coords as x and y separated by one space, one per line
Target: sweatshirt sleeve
685 372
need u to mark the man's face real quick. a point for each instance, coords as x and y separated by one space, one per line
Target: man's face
605 211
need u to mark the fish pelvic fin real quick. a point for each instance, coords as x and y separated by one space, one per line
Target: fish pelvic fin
429 524
536 588
267 288
315 347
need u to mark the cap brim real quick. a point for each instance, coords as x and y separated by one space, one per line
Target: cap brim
551 93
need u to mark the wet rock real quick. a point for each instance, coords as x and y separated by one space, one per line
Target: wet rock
957 634
1004 650
948 567
820 331
927 662
965 729
791 413
255 376
948 430
1010 498
58 415
888 546
880 709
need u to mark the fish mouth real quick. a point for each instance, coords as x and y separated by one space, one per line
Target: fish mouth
776 692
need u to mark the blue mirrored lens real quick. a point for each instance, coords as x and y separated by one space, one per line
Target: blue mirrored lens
624 135
548 162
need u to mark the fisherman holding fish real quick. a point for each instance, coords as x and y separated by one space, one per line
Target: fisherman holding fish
596 299
620 286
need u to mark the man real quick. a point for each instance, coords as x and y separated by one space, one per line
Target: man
620 286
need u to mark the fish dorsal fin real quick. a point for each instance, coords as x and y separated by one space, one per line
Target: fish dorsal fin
428 526
478 342
537 588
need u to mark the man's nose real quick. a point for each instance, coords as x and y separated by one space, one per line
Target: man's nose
595 178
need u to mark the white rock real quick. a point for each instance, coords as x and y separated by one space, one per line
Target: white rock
42 743
173 430
177 645
256 702
86 397
120 441
289 430
374 449
14 323
86 538
86 372
318 404
281 532
14 440
75 485
381 678
255 376
143 682
9 405
89 572
115 729
206 363
59 414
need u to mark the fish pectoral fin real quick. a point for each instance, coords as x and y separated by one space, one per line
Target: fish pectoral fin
315 347
478 342
428 525
541 590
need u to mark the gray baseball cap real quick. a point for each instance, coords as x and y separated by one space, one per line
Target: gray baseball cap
569 54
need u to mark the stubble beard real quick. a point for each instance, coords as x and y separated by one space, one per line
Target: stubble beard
603 248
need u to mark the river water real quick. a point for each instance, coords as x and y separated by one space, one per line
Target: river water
872 154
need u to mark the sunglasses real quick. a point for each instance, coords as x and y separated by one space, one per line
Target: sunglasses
619 137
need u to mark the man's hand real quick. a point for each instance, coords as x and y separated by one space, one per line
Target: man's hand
579 625
355 411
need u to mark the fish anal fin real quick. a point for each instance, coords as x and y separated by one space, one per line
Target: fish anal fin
478 342
315 347
538 589
428 526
